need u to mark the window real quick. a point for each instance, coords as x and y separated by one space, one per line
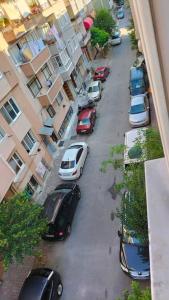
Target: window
29 141
70 47
32 186
59 98
46 71
2 133
10 110
65 122
79 155
16 163
75 42
64 20
51 111
34 86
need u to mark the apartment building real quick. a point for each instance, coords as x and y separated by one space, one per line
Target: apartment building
81 13
41 69
151 21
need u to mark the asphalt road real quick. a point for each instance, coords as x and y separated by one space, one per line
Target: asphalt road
89 259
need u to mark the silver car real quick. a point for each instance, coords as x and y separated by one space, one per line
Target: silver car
139 112
94 90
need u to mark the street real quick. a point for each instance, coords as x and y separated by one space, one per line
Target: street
88 260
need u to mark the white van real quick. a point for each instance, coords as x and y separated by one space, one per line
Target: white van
133 153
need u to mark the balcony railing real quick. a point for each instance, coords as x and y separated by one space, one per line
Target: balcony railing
48 94
86 39
34 57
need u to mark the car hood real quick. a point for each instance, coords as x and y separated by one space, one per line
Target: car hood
137 118
137 257
93 95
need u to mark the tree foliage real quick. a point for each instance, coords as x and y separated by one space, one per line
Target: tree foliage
132 35
21 227
136 293
133 180
104 20
99 37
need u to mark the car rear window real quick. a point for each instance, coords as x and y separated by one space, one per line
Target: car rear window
68 164
93 89
137 109
84 122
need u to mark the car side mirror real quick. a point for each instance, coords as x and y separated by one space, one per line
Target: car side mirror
119 233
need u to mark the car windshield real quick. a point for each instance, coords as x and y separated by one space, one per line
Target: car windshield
115 34
68 164
137 109
84 122
93 89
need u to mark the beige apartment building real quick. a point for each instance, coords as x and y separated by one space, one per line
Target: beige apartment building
41 69
151 21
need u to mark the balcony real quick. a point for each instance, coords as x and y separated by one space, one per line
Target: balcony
8 177
34 58
157 191
5 86
66 70
48 95
86 39
11 33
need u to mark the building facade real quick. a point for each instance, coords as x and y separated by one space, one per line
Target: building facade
42 67
151 22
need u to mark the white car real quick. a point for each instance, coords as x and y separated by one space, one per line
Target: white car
95 90
139 112
73 160
132 152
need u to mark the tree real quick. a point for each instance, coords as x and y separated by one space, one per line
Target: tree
136 293
104 20
99 37
132 35
133 180
21 228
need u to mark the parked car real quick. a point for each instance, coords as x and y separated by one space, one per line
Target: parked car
139 83
42 284
115 38
120 13
134 254
95 90
73 161
59 209
133 152
101 73
85 102
86 121
139 112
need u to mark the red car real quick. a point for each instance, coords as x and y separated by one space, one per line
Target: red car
86 121
101 73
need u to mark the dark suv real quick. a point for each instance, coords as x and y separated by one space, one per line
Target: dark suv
139 83
59 208
134 254
42 284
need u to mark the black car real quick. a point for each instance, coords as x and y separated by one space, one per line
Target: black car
59 208
139 83
42 284
134 254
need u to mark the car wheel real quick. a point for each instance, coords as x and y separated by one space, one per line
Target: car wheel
68 230
81 172
60 289
79 194
87 149
91 131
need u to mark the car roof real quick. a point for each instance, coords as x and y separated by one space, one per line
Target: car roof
71 151
130 139
100 69
137 100
136 73
52 204
33 287
85 114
